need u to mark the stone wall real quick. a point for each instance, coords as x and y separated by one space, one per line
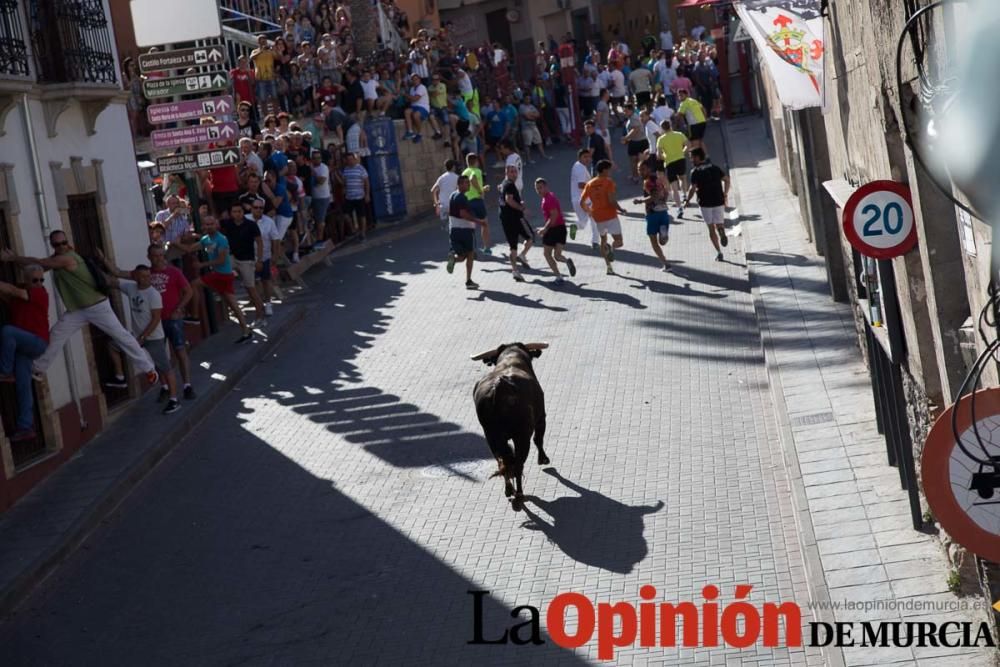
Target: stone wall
421 164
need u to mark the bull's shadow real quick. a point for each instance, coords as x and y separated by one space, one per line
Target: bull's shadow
591 528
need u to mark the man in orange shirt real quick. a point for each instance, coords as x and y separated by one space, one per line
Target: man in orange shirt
598 200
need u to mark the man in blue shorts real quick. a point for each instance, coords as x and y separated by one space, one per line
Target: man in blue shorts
462 231
657 201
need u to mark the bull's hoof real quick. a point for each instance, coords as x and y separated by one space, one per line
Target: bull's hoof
508 489
543 460
517 503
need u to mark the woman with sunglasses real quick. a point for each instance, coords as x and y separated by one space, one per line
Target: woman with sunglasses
22 341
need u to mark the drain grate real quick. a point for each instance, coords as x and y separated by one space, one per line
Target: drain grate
809 420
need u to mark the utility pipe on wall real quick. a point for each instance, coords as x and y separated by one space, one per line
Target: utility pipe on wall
43 217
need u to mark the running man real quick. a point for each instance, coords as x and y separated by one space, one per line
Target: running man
709 179
694 114
462 225
657 201
598 200
671 148
553 233
578 178
477 188
512 217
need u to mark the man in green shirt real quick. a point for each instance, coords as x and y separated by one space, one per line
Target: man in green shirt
672 148
84 303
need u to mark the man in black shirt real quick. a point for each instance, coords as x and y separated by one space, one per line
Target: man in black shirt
353 96
247 250
595 143
515 227
712 185
244 120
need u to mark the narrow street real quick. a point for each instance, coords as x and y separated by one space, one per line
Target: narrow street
337 508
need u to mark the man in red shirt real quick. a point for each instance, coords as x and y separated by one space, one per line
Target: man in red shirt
24 340
243 81
176 293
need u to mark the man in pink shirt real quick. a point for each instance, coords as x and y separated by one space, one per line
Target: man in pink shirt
553 233
176 292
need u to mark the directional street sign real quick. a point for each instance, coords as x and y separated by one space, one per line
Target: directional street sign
185 85
174 112
181 59
195 134
194 161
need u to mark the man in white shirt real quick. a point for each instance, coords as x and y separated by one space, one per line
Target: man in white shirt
446 184
321 196
666 38
418 111
578 178
652 129
271 242
662 111
512 159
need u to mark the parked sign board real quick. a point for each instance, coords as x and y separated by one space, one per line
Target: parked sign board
175 112
185 85
181 59
193 161
878 220
195 134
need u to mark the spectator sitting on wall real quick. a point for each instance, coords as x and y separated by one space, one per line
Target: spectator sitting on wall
22 341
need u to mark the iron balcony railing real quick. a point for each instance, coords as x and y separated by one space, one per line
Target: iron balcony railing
71 41
13 50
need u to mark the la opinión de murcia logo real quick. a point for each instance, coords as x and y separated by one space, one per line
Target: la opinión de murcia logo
737 624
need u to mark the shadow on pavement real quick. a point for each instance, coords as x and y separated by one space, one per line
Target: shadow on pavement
591 528
592 294
514 300
234 553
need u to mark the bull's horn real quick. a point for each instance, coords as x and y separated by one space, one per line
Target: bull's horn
483 355
536 346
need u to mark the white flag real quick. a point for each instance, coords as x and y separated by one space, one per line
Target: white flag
789 34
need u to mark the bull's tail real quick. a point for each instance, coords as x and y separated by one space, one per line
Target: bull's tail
504 400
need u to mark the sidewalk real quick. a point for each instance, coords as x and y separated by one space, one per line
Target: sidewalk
854 518
48 524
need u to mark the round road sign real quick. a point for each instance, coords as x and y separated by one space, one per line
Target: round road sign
962 490
878 220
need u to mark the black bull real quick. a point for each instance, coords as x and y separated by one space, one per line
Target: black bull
510 405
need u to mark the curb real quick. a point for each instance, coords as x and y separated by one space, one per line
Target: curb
395 232
815 576
77 533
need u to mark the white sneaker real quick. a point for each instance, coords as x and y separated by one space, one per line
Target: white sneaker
268 310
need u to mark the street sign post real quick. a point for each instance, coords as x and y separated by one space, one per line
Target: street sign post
194 134
185 85
962 480
878 220
181 59
193 161
175 112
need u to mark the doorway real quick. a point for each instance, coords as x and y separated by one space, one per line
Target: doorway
498 29
85 224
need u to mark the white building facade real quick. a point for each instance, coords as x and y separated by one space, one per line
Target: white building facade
67 161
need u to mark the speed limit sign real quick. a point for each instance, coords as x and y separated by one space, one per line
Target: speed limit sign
878 220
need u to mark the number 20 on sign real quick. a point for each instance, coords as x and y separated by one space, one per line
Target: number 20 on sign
878 220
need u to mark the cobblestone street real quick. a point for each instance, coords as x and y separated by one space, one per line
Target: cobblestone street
336 507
